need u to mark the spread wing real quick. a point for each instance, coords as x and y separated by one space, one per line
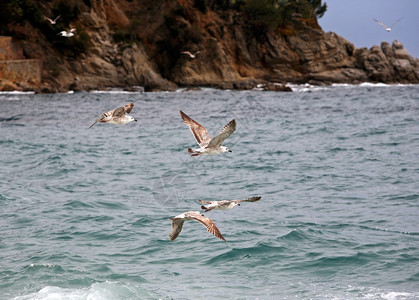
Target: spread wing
252 199
187 53
55 20
205 202
129 107
381 23
103 116
199 132
209 224
396 22
177 225
225 133
119 112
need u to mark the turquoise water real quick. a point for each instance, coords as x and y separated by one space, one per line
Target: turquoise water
84 213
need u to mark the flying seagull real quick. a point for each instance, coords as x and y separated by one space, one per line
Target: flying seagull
387 28
52 21
117 116
207 145
67 33
177 224
190 54
225 204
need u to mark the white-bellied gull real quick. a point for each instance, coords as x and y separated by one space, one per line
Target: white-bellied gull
225 204
207 145
67 33
387 28
117 116
177 224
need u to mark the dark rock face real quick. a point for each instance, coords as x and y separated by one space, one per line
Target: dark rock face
230 56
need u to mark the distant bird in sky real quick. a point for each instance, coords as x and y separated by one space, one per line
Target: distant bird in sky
177 224
117 116
52 21
207 145
387 28
225 204
67 33
190 54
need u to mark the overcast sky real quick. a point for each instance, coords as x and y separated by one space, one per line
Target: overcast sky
353 19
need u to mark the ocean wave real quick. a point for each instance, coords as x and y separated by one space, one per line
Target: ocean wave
115 91
7 95
259 251
294 235
343 292
309 87
12 118
100 291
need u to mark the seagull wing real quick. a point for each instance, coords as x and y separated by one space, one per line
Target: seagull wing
129 107
187 53
119 112
225 133
396 22
205 202
177 225
252 199
103 116
207 222
55 20
381 23
199 132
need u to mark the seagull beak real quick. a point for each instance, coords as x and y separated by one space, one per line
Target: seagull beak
229 150
135 120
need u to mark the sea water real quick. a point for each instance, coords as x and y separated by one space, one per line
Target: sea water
84 213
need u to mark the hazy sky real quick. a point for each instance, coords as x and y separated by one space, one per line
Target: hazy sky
353 19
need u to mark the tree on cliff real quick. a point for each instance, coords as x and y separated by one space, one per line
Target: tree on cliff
318 7
265 15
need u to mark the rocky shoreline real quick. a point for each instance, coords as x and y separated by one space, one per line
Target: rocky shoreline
230 57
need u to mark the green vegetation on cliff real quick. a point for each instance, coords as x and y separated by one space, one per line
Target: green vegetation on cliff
15 14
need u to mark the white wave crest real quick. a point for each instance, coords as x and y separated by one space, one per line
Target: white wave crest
97 291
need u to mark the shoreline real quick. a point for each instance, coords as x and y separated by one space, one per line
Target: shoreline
197 89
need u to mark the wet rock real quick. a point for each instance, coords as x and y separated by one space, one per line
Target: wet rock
8 86
275 87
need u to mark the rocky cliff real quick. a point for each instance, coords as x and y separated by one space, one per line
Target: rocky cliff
120 43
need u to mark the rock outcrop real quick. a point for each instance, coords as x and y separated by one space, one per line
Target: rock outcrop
139 43
17 73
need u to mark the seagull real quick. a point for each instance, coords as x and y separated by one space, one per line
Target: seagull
387 28
207 145
52 21
177 224
67 33
190 54
117 116
225 204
